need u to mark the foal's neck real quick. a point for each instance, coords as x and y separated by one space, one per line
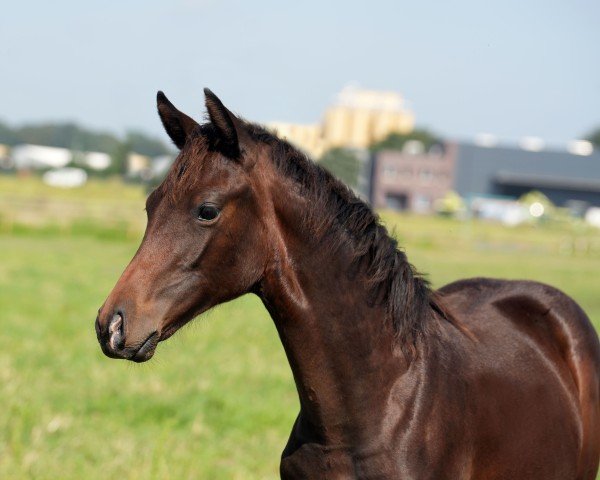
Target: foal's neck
341 347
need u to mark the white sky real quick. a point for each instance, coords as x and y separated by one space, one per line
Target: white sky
512 68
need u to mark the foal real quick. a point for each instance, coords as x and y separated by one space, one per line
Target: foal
483 379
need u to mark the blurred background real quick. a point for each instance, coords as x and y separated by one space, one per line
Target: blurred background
473 128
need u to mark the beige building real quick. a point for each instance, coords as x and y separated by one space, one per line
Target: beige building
5 161
356 119
137 163
309 138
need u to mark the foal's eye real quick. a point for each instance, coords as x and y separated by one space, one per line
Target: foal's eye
207 212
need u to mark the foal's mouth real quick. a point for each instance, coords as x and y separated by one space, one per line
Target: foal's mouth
146 349
112 338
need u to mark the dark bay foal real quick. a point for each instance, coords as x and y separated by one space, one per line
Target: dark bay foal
483 379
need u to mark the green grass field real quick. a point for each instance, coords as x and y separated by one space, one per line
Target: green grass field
218 400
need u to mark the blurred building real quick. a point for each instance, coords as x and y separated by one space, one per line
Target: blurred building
356 119
564 177
360 118
3 150
97 160
68 177
40 157
35 157
32 157
308 138
415 181
5 161
148 169
412 180
137 163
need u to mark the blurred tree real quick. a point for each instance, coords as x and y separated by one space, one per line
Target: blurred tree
68 135
343 164
141 143
119 159
396 141
594 137
450 204
72 136
7 135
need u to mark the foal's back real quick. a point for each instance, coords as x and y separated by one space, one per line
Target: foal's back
535 362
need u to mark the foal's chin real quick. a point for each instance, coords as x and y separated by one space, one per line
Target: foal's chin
146 351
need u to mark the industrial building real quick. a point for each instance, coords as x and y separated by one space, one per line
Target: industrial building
406 181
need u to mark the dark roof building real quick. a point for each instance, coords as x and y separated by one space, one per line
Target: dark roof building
400 180
561 176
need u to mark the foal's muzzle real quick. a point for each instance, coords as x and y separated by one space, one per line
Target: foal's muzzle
111 337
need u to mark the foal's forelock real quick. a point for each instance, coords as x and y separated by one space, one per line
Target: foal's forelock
185 173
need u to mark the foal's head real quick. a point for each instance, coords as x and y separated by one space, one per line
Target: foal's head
206 240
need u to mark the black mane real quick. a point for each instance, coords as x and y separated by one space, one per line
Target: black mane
392 280
341 219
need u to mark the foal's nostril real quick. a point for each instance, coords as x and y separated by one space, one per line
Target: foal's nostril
116 339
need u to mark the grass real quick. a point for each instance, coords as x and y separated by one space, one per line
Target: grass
216 403
28 202
218 400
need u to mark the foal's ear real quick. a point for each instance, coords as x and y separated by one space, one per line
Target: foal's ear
226 124
177 124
